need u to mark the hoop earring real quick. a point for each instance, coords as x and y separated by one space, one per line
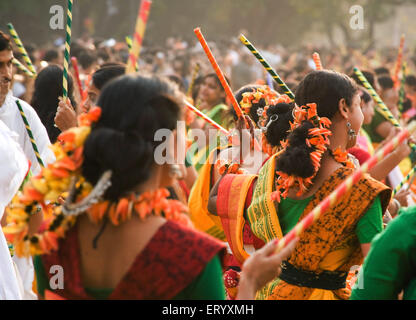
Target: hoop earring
175 171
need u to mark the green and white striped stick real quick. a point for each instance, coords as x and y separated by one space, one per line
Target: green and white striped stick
401 91
381 107
67 48
194 75
267 66
21 48
21 67
407 178
29 132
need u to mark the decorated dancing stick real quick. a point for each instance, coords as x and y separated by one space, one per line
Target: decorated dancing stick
267 66
67 48
402 92
129 42
218 71
76 70
381 107
206 118
194 75
29 132
317 60
21 48
402 183
343 188
138 35
23 68
399 61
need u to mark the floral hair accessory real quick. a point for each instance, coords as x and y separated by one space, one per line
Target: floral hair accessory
225 167
317 140
263 92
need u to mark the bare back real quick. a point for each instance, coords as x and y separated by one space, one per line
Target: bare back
117 248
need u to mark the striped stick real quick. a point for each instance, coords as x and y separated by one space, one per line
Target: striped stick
67 48
138 35
206 118
402 183
194 75
381 107
402 93
344 187
218 71
78 79
21 48
29 132
317 59
267 66
21 67
129 42
399 61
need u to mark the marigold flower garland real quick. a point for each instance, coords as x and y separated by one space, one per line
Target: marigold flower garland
53 182
317 140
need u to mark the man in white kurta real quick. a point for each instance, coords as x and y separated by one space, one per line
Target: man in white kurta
13 168
11 117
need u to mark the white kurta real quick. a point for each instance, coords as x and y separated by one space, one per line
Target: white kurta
10 115
13 167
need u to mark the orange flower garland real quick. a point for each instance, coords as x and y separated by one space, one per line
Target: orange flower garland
47 188
317 140
225 167
255 96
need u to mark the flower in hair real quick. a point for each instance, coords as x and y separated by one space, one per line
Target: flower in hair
317 140
255 96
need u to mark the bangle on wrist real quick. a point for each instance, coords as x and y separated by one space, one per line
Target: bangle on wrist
398 205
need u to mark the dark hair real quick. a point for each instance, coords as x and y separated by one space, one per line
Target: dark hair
86 59
48 87
51 55
382 71
214 76
107 73
255 106
411 81
365 96
367 74
133 109
325 88
386 82
279 129
5 43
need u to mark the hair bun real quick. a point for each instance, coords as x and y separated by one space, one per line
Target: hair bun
130 158
296 159
278 131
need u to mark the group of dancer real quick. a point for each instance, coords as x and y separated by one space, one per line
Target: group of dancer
82 189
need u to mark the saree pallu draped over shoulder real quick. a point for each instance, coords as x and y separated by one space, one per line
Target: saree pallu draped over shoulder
330 244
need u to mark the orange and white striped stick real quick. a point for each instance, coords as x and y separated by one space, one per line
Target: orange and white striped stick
399 62
206 118
317 59
343 188
219 73
138 35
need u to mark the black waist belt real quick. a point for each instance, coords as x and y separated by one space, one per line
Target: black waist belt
327 280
